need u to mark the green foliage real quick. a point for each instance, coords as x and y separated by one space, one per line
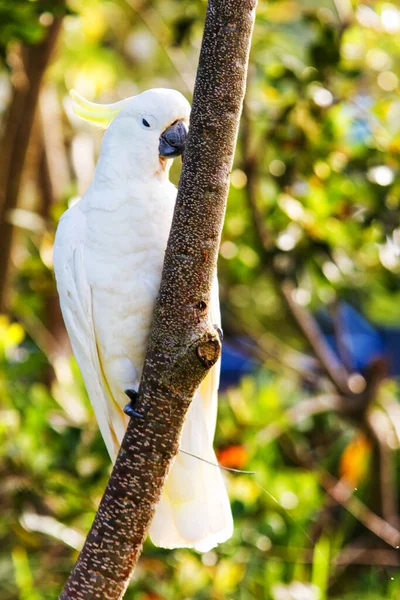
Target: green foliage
26 21
323 115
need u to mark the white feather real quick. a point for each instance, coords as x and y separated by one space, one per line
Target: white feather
108 258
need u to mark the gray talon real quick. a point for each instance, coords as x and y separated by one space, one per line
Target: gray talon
220 333
129 409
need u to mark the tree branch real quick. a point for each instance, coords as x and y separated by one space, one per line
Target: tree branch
312 333
183 342
343 494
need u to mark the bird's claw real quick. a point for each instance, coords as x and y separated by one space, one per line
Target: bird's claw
220 333
129 409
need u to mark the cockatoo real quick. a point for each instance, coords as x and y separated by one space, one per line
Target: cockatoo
108 258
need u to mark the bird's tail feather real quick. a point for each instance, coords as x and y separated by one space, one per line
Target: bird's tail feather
194 509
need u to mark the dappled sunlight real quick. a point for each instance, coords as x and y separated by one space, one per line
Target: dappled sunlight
308 268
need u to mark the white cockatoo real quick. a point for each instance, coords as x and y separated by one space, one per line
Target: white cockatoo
108 258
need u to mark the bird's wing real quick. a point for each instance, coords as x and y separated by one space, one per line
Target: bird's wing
208 389
76 305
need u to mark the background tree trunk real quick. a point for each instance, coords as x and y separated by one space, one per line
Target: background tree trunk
183 342
28 64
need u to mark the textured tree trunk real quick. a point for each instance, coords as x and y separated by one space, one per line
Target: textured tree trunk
183 342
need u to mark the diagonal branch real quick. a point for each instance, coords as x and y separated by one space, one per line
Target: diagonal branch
312 333
343 494
183 343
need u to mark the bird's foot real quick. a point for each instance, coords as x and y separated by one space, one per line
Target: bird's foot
129 409
220 333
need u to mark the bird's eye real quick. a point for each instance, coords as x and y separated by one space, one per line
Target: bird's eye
147 121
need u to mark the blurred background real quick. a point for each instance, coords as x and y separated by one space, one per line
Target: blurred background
309 282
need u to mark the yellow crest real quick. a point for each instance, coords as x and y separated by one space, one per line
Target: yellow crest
98 114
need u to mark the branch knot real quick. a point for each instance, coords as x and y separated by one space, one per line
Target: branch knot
208 352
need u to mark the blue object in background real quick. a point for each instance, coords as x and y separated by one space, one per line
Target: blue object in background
235 362
361 341
391 341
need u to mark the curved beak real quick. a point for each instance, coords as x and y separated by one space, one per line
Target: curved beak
172 140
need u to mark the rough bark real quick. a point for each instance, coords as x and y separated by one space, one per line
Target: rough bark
183 342
28 65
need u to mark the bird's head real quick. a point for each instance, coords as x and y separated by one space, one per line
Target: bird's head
143 132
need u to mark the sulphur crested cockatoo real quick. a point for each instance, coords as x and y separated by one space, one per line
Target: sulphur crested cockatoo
108 258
